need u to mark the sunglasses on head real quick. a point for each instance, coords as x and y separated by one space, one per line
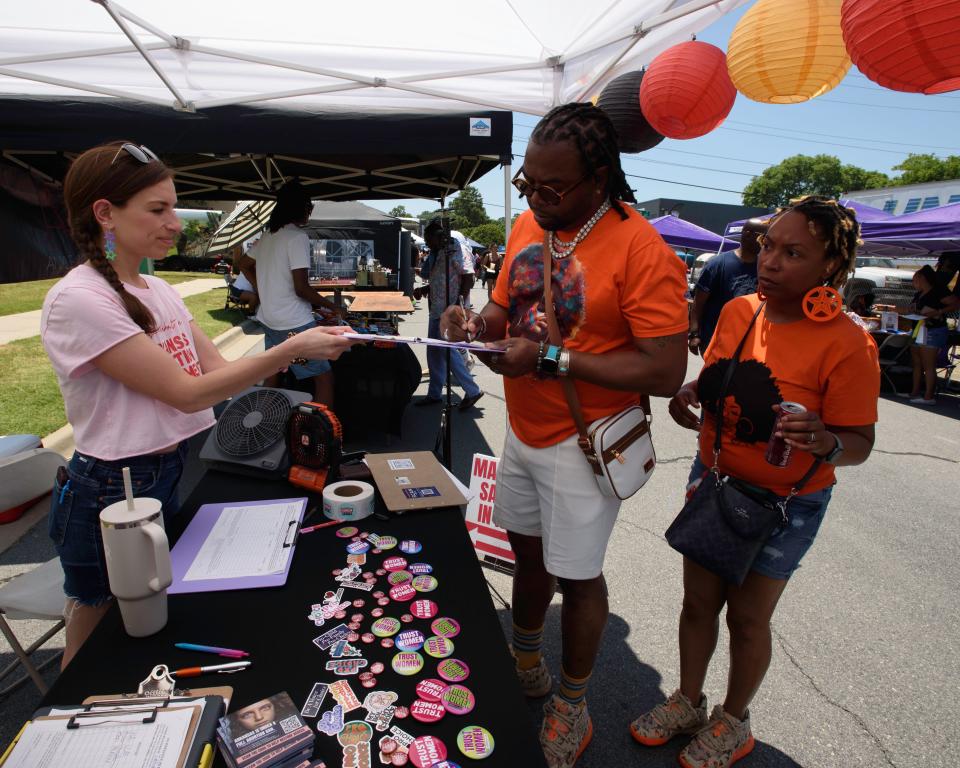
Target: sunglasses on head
141 153
548 195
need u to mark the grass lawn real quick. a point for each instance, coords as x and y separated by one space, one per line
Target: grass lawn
30 401
26 297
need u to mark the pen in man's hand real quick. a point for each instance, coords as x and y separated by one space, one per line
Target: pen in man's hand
463 311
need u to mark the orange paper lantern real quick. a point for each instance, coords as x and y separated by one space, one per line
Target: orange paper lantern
687 91
788 51
906 45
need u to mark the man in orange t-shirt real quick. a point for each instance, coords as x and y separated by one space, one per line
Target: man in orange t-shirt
618 295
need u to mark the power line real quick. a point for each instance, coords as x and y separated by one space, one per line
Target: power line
816 141
888 106
875 87
833 135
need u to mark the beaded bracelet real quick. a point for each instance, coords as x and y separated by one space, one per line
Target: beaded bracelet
540 354
296 360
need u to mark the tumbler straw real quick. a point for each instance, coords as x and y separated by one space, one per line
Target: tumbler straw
128 490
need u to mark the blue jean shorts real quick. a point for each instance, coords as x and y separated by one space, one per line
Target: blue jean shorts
91 485
313 368
783 551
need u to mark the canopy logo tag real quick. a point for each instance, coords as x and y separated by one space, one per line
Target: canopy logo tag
481 126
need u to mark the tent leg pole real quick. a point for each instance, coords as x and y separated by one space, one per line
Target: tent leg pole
507 175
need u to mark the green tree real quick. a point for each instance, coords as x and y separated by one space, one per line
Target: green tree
805 175
920 168
491 233
399 211
466 210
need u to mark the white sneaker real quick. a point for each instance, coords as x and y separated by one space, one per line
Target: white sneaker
923 401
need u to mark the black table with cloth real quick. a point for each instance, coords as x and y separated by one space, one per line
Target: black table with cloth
272 625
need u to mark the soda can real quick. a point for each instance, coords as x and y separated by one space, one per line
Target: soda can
779 452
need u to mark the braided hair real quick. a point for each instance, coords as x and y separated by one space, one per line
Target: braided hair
837 226
108 173
593 134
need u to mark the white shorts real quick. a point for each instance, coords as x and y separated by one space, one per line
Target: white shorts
551 493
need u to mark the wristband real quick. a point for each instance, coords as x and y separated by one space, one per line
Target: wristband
550 361
564 362
540 353
693 335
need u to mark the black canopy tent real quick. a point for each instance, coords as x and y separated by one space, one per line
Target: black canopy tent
244 152
352 222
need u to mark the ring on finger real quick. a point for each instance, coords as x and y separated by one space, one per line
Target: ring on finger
813 437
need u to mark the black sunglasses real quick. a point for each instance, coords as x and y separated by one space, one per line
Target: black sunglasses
547 194
141 153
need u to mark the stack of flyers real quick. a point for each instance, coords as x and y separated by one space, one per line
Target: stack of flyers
266 734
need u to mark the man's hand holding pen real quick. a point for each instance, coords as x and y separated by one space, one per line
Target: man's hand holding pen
461 324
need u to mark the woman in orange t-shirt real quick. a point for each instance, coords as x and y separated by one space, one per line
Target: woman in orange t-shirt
831 368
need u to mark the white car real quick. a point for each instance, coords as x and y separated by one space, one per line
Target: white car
891 285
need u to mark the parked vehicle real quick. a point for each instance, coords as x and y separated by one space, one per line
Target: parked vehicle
891 285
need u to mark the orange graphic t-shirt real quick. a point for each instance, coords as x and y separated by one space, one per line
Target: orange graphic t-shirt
622 282
830 368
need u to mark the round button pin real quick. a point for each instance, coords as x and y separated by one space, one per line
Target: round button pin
386 626
387 542
376 668
423 609
430 689
395 563
445 627
410 640
426 751
387 642
407 663
453 670
475 741
427 711
347 531
424 583
438 647
400 577
458 700
410 546
419 569
357 547
402 592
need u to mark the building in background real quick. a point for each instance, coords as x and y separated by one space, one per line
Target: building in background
909 198
712 216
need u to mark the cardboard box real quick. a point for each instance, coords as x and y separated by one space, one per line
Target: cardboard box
413 480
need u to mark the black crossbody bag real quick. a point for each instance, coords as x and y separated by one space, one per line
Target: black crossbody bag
726 522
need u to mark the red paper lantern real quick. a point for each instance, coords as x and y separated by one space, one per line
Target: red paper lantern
687 90
906 45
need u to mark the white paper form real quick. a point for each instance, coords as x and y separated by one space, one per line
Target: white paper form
115 741
246 541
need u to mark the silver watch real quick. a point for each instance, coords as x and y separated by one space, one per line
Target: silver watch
837 450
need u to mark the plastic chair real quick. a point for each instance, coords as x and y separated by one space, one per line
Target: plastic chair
36 594
892 351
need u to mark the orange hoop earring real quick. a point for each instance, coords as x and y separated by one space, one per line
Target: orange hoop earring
822 304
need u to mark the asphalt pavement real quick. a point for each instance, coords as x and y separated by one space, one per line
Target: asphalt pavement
866 637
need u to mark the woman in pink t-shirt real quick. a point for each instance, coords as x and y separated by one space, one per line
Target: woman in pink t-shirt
137 374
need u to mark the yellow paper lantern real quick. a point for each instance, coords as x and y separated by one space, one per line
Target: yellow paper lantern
788 51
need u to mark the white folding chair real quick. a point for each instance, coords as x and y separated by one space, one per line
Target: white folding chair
36 594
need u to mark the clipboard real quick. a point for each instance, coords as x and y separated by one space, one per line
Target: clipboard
193 748
191 541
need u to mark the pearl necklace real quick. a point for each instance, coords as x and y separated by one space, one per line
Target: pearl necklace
562 250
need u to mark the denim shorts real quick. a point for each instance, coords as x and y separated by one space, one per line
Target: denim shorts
91 485
313 368
783 551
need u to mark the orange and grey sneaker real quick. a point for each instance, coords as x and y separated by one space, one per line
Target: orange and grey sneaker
675 716
536 681
720 743
565 733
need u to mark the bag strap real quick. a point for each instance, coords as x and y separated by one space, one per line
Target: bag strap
727 377
569 390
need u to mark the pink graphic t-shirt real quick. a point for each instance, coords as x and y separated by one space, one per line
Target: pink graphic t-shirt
82 318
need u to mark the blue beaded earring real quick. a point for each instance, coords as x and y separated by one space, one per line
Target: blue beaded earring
110 245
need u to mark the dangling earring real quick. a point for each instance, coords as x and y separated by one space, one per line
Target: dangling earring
110 245
822 304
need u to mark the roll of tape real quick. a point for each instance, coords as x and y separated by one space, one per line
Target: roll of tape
348 500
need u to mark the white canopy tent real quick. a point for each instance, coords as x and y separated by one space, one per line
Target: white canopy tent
520 55
434 56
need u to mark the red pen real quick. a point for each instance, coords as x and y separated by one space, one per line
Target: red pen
234 666
320 525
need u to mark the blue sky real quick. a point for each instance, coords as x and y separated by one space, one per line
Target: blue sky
858 121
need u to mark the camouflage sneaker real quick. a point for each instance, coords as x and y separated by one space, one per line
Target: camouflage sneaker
720 743
536 681
565 733
675 716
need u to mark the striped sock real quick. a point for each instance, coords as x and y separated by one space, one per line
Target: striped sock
526 646
572 689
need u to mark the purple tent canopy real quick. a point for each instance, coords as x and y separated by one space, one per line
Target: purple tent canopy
682 234
865 213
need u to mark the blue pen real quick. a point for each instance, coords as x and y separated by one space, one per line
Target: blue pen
63 490
228 652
